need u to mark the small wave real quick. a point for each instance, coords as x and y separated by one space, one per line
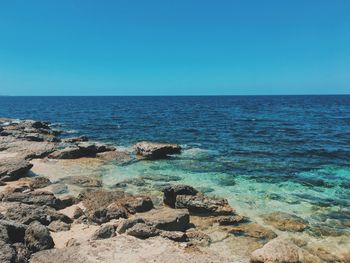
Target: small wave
197 152
71 131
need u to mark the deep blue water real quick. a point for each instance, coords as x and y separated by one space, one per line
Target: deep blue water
293 149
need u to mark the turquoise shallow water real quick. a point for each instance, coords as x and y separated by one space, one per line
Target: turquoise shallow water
262 153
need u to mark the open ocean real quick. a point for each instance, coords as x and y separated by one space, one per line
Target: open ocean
262 153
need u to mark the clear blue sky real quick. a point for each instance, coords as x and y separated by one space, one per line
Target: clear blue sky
182 47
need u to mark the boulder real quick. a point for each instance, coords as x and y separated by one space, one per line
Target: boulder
37 237
286 222
11 231
22 253
142 231
58 226
154 150
13 168
200 204
168 219
171 192
106 231
125 224
25 214
276 251
7 253
118 157
133 204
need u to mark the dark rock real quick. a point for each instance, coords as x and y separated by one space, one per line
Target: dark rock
37 237
200 204
83 149
168 219
7 253
25 214
136 204
78 212
232 220
171 192
142 231
154 150
177 236
13 168
106 231
76 139
37 198
276 251
11 231
128 223
286 222
22 253
58 226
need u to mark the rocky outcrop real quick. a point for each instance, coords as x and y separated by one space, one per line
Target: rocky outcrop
154 150
200 204
168 219
13 168
171 192
25 214
37 237
286 222
82 149
276 251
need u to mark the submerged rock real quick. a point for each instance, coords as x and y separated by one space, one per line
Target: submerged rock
154 150
286 222
37 237
83 181
171 192
251 230
276 251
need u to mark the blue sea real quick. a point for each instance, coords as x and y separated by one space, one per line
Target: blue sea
262 153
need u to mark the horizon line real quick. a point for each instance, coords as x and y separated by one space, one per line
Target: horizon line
194 95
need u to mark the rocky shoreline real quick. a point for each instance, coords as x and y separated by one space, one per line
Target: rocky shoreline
39 224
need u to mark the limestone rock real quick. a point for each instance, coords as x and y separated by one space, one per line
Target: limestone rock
171 192
154 150
276 251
